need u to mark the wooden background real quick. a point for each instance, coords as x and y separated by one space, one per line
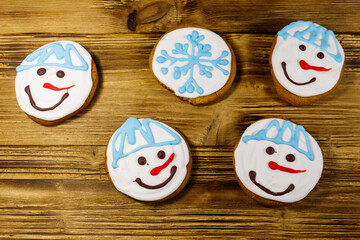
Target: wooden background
53 183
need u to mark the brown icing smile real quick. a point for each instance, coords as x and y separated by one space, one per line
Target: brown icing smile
33 104
283 65
172 173
252 175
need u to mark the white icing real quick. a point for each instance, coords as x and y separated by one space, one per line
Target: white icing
129 169
44 97
253 157
288 51
209 85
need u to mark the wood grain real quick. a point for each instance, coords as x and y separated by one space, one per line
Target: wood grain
53 183
111 16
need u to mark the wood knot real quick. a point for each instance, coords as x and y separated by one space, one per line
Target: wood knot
148 14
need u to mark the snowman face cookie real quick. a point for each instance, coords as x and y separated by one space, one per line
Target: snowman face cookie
54 81
307 59
278 160
147 160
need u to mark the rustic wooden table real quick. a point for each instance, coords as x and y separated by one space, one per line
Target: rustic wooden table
53 182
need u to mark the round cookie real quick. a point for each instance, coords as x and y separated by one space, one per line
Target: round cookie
277 162
307 62
148 160
194 63
55 82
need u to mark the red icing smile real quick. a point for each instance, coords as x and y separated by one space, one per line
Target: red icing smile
275 166
155 171
51 87
304 65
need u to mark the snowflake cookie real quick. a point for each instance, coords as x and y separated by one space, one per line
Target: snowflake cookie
195 63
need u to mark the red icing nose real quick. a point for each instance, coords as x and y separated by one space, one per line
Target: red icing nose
155 171
275 166
304 65
52 87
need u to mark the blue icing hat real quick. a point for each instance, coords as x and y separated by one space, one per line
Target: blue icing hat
127 133
315 32
278 139
62 53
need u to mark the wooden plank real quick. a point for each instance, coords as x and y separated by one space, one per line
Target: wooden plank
124 74
111 16
93 208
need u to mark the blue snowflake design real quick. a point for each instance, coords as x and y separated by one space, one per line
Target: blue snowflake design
192 59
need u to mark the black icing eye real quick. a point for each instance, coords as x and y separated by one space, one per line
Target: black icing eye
60 74
290 157
320 55
142 160
270 150
161 154
41 71
302 47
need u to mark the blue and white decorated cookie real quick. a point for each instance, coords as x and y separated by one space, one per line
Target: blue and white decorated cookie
277 162
196 64
307 62
148 160
55 82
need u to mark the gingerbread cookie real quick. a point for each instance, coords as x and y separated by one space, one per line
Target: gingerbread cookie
196 64
307 62
148 160
277 162
55 82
